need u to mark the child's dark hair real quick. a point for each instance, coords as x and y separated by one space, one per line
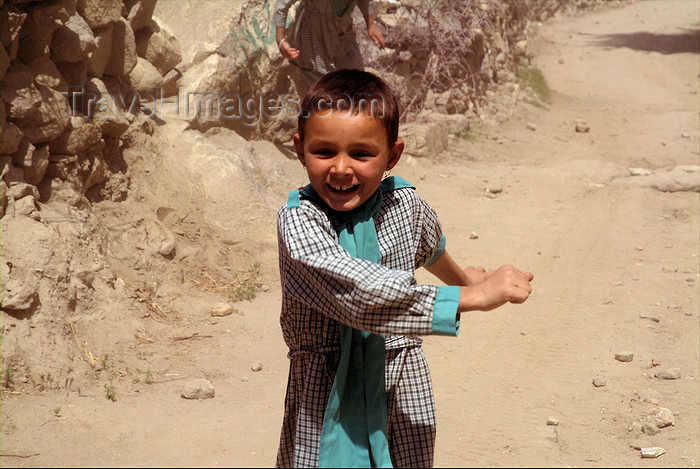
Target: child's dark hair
353 91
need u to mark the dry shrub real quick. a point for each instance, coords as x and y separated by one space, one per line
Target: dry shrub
444 54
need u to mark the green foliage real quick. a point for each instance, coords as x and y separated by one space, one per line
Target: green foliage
247 288
110 392
467 134
532 78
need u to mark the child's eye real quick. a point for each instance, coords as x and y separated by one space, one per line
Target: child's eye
322 152
362 154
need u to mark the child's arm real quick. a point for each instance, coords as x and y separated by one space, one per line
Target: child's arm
481 290
447 270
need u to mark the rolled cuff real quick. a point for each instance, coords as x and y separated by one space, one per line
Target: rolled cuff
445 318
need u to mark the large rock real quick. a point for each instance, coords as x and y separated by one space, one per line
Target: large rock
122 57
140 13
11 21
79 136
46 73
34 160
10 138
41 112
424 140
159 46
73 41
46 17
10 173
144 77
27 249
50 119
99 13
19 92
99 57
682 178
107 114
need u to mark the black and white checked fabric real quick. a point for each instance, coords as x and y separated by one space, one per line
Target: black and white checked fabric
326 42
323 285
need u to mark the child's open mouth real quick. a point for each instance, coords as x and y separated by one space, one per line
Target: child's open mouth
343 189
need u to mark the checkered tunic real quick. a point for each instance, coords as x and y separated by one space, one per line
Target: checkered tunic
326 42
323 285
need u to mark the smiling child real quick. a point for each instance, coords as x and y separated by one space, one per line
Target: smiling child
359 392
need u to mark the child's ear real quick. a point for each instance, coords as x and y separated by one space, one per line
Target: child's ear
395 154
299 147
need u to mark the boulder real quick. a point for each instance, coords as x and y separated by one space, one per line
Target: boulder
424 140
144 77
73 41
19 92
78 137
27 249
198 389
98 13
34 160
50 118
46 17
157 44
99 57
46 73
140 13
10 138
678 179
107 114
10 173
122 57
11 21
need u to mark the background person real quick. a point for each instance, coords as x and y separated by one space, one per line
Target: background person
322 38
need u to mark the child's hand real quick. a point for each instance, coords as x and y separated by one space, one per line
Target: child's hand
288 52
504 285
376 35
475 275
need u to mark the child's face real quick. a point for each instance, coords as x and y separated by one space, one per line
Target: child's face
345 156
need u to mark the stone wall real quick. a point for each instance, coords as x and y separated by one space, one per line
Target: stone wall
69 77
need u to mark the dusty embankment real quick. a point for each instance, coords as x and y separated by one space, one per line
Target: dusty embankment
615 263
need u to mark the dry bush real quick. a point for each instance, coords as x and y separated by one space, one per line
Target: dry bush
444 54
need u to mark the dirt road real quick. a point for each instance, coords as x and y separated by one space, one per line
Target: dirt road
616 265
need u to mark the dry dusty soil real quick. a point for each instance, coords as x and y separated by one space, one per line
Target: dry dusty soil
616 270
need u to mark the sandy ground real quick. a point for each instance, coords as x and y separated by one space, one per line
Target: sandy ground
616 270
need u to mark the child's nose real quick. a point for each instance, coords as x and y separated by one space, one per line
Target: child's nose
342 165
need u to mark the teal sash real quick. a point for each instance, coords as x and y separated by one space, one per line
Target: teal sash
355 423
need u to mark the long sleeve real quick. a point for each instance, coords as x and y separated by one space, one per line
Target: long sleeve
321 275
279 17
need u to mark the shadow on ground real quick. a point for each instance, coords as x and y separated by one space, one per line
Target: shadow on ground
688 41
